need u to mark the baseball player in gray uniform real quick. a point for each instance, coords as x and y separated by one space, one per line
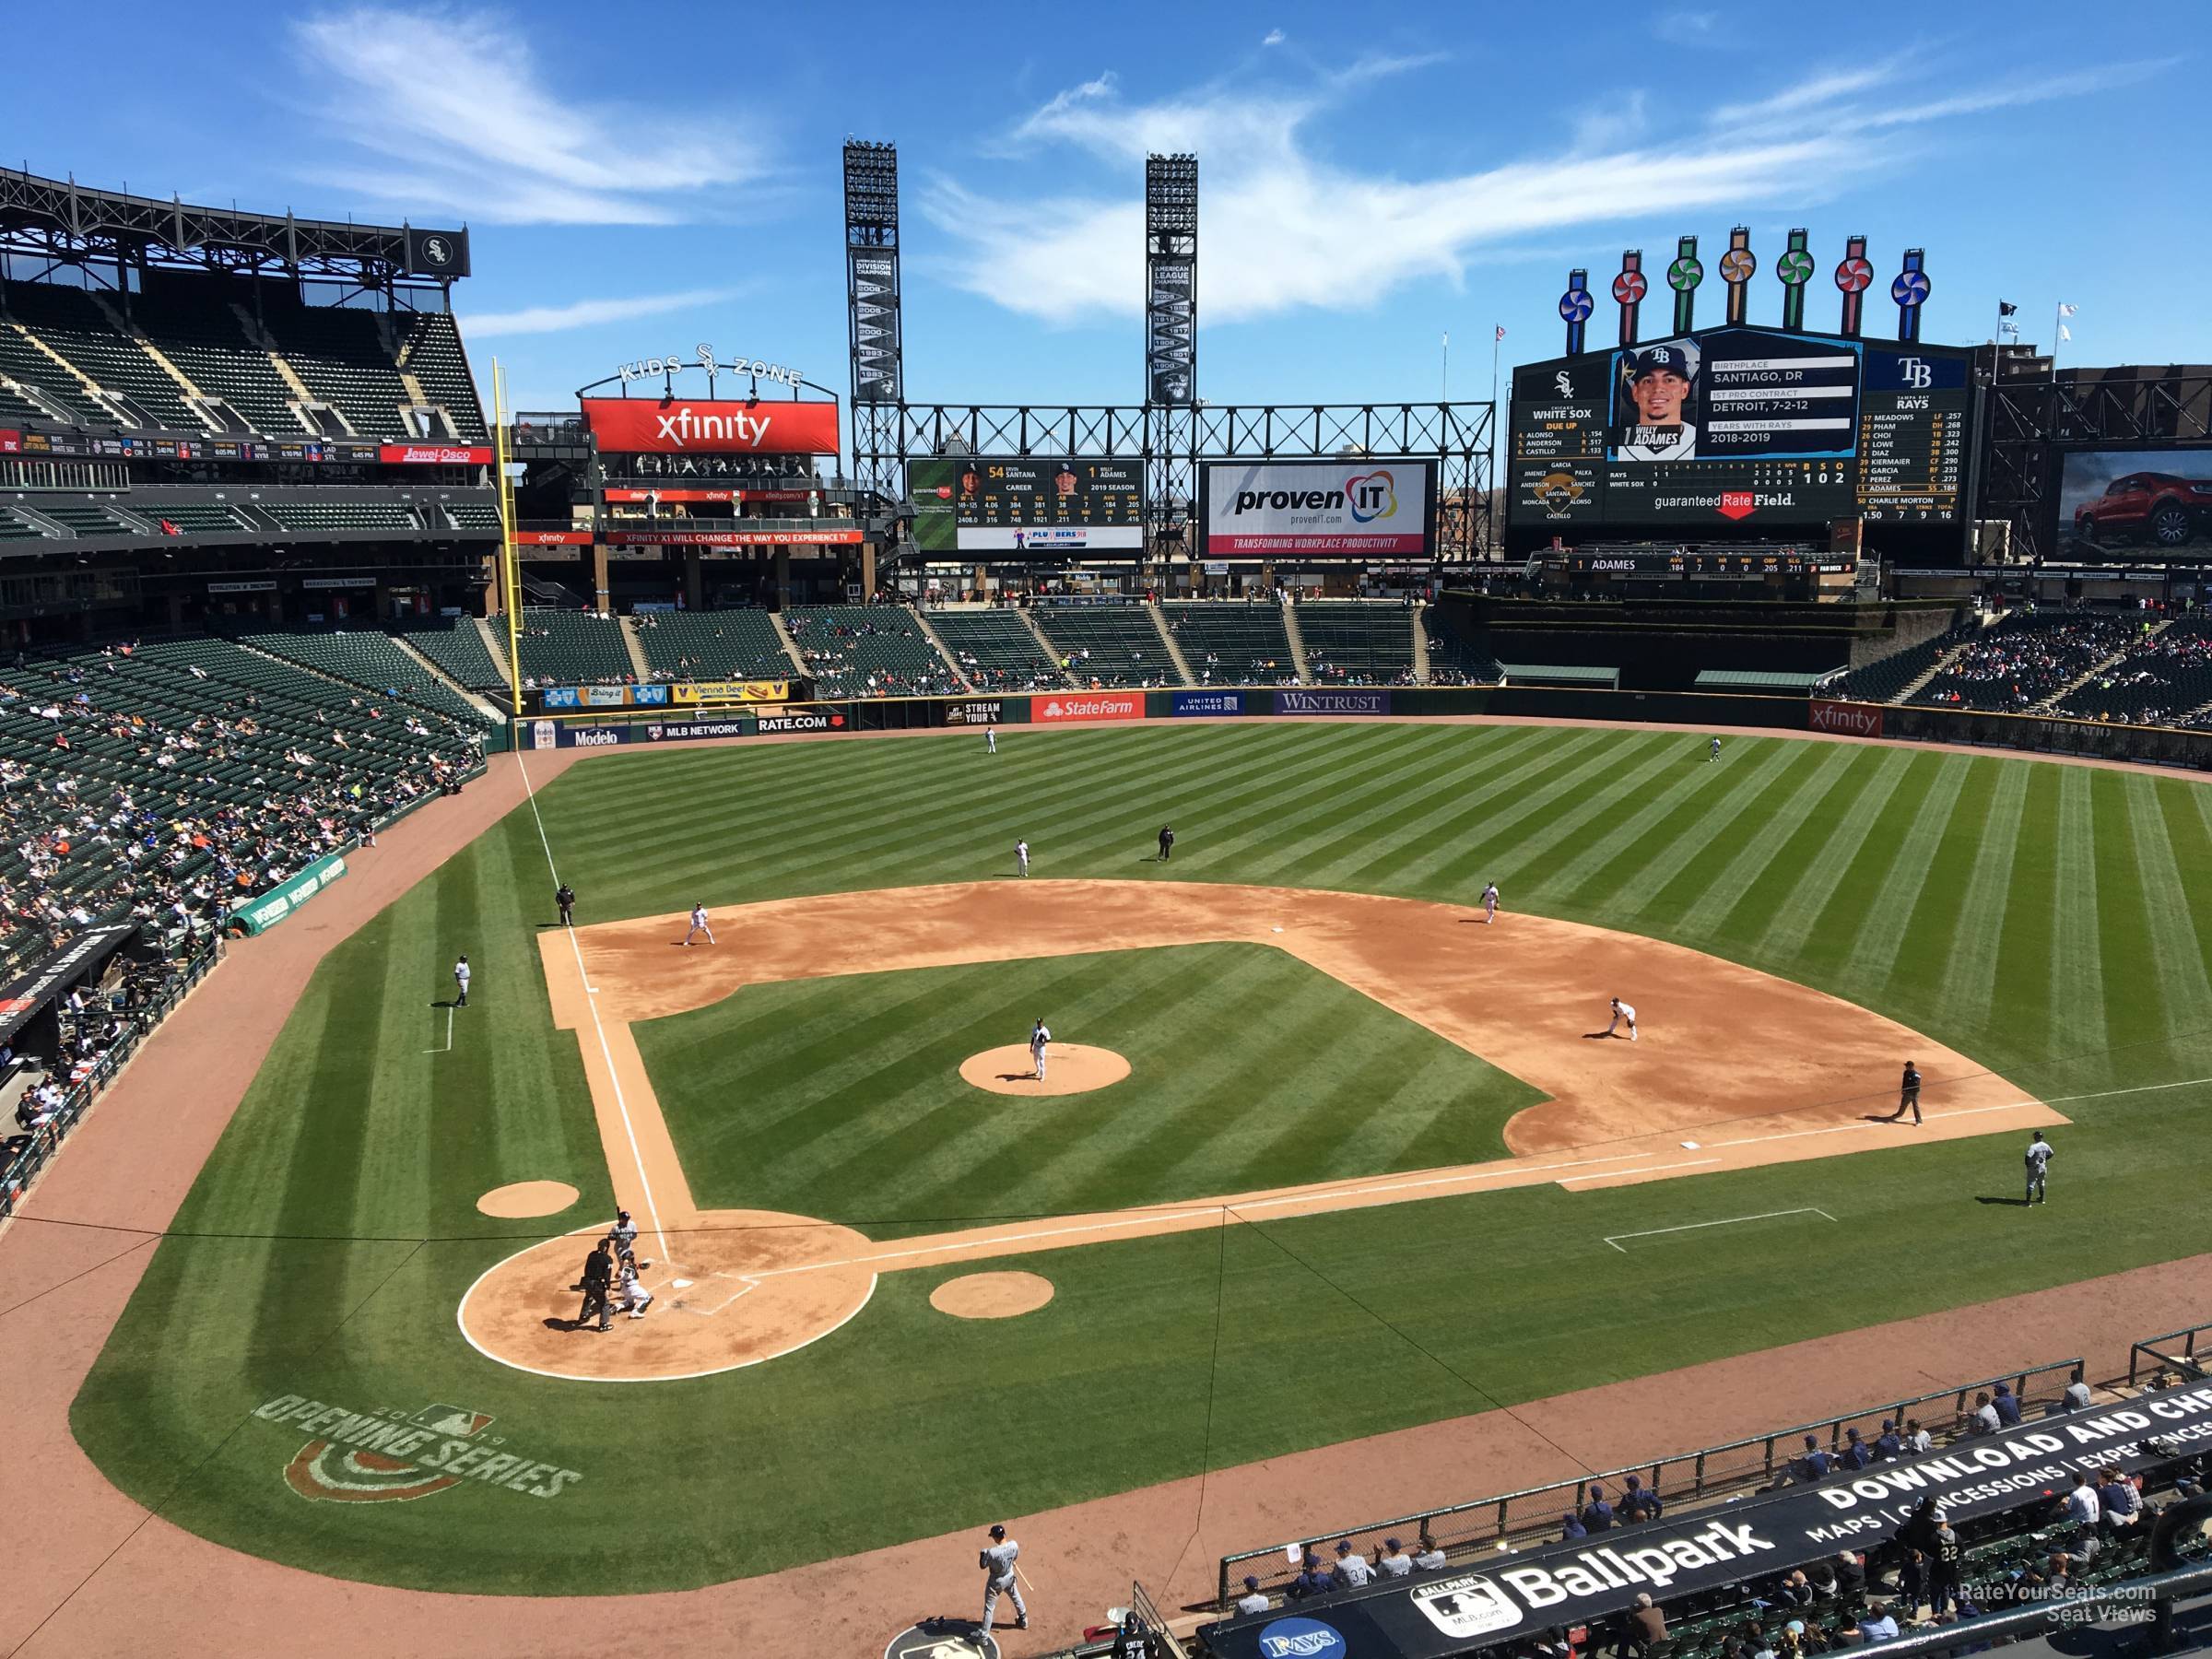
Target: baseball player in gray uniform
997 1563
1490 904
1038 1036
2039 1166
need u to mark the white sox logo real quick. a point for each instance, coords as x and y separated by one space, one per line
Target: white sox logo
387 1457
1564 382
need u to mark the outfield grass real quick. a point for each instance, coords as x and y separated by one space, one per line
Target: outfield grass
841 1098
2053 922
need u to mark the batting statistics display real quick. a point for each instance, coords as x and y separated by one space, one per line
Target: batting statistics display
1741 423
1026 505
1367 508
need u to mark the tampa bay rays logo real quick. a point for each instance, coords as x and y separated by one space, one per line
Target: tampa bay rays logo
331 1471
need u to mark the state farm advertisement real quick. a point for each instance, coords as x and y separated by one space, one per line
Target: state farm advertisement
434 454
1359 508
689 426
1087 705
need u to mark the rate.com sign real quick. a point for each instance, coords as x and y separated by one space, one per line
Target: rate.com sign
691 426
1356 508
1087 705
1855 720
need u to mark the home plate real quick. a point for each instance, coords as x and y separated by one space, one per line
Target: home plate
680 1284
1278 930
1689 1146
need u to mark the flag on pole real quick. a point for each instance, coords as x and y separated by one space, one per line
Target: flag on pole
2067 311
1502 331
2006 307
2065 332
1447 338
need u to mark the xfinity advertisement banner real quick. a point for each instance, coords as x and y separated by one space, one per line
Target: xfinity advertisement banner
697 426
1440 1615
1362 508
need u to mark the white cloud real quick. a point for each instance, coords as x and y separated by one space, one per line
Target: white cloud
1285 227
452 112
1274 37
1682 26
585 314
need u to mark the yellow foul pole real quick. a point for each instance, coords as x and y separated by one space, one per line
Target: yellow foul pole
510 557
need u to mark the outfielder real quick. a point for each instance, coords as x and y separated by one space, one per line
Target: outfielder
991 740
699 925
1714 753
1490 904
2039 1165
1021 858
1622 1011
997 1563
1039 1037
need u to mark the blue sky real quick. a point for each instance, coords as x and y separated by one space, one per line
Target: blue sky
639 179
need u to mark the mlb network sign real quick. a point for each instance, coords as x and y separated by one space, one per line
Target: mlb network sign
1359 508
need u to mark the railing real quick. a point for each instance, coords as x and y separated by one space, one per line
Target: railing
1532 1515
2163 1350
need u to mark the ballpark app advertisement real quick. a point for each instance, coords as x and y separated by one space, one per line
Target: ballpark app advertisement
1360 508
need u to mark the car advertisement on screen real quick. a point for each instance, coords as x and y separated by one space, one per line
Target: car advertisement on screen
2136 502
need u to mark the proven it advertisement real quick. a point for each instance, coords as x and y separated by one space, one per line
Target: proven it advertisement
1362 508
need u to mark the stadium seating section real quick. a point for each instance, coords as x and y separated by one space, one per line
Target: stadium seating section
868 650
367 660
191 517
1454 661
355 362
996 650
2165 678
170 781
1885 681
2027 657
1124 646
13 528
1237 642
1357 642
573 648
456 646
728 644
333 510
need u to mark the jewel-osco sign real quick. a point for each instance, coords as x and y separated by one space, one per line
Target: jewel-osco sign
391 1456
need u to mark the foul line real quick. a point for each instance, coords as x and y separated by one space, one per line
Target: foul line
614 1078
1615 1239
449 1033
1688 1163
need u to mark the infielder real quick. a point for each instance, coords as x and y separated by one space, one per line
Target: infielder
636 1299
461 982
997 1563
1490 904
1622 1011
699 925
1039 1037
991 740
2039 1165
1021 858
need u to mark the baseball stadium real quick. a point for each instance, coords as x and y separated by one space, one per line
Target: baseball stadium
741 1017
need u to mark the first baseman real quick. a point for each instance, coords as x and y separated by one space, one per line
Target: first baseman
1490 904
699 925
1622 1011
997 1562
2039 1165
1039 1037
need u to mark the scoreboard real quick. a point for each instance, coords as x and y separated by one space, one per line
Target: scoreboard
1730 424
1027 506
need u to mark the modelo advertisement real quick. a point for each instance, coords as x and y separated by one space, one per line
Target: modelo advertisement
1360 508
2158 500
697 426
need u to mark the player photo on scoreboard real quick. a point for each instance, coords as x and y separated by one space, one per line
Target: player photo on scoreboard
1656 402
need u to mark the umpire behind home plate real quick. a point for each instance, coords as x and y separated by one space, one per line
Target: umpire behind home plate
598 1274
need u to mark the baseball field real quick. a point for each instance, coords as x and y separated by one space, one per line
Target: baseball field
1327 1156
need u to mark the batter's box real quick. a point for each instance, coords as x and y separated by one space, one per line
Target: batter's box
708 1297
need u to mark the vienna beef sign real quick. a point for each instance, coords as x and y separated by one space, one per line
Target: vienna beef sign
699 426
1435 1616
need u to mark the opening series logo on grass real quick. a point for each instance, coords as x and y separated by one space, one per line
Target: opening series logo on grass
393 1457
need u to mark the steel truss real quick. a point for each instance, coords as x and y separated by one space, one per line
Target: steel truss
2032 424
1172 440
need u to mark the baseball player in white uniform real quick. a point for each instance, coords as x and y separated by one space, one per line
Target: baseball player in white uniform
1021 858
636 1299
461 977
997 1563
699 925
991 739
1622 1011
1490 904
1039 1037
1714 752
2039 1165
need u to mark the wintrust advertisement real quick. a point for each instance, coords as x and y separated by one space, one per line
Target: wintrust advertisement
1087 705
1359 508
697 426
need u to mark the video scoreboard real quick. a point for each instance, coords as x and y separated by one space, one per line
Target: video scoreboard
1027 506
1729 424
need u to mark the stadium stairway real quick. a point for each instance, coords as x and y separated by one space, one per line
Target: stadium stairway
1167 638
1939 665
1051 652
1420 648
638 664
264 343
791 649
1298 645
2103 665
476 700
494 639
952 663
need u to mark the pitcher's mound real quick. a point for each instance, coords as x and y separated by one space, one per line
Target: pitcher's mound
528 1199
1069 1067
992 1295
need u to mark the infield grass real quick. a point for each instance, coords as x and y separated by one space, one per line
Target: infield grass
2053 922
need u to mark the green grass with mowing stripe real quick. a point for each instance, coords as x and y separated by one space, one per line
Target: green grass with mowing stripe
2055 923
842 1098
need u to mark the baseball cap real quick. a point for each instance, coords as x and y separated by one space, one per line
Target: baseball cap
998 1532
1252 1581
1663 359
1392 1544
